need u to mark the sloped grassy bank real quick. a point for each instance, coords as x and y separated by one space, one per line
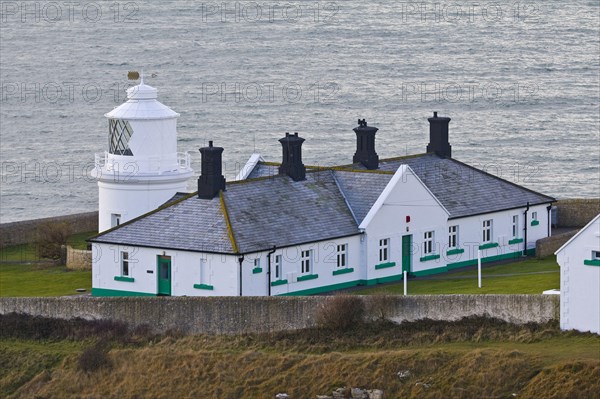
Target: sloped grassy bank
470 358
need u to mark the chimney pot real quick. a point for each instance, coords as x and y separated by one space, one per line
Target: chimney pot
292 157
211 179
438 136
365 145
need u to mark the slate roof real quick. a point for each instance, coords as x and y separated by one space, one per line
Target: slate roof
259 213
262 213
463 189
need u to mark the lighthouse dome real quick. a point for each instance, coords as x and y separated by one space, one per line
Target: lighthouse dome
142 104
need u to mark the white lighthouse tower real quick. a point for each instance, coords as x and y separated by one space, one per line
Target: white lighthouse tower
141 169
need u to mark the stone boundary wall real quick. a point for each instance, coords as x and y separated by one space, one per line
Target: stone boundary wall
577 212
78 259
234 315
23 232
547 246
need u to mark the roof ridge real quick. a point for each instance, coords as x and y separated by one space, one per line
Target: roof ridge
228 222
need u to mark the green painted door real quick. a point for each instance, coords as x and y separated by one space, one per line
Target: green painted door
406 255
164 275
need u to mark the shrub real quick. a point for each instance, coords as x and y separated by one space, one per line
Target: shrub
50 236
94 357
341 312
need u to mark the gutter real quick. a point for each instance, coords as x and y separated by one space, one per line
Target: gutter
241 260
525 243
271 252
548 208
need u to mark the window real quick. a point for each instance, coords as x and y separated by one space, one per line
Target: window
124 263
257 263
306 261
342 255
115 219
515 226
119 133
203 272
428 243
278 271
596 255
384 250
534 216
452 236
487 231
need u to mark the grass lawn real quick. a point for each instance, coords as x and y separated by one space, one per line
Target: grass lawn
23 273
531 276
42 280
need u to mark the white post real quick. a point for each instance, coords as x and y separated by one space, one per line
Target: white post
479 267
405 282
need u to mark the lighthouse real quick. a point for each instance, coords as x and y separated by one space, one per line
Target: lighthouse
141 169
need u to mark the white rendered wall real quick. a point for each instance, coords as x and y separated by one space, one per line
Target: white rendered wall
220 272
133 199
407 197
580 283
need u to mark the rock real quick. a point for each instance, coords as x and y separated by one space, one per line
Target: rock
403 374
357 393
282 396
324 397
339 393
375 394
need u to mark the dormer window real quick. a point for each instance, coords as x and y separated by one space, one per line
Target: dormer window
119 133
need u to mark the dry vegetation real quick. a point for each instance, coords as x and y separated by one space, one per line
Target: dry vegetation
471 358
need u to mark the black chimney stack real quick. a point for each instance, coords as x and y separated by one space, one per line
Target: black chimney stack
292 157
211 179
365 145
438 136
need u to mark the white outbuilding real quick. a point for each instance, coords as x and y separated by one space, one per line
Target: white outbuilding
579 261
141 168
291 229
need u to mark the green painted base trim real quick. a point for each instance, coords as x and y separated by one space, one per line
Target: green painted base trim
535 222
455 251
592 262
429 272
530 252
278 282
429 257
343 271
384 265
124 279
308 277
515 241
326 288
106 292
488 245
471 262
388 279
257 270
204 287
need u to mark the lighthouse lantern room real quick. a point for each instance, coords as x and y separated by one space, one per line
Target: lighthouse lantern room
141 169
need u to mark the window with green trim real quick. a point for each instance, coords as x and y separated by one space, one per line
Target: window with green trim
515 226
384 250
452 237
487 231
306 261
428 243
534 216
278 267
203 271
342 255
124 264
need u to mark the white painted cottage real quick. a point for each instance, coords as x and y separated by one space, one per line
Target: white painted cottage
291 229
579 261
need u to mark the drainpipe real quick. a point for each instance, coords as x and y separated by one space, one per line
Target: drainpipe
548 208
525 243
271 252
241 260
